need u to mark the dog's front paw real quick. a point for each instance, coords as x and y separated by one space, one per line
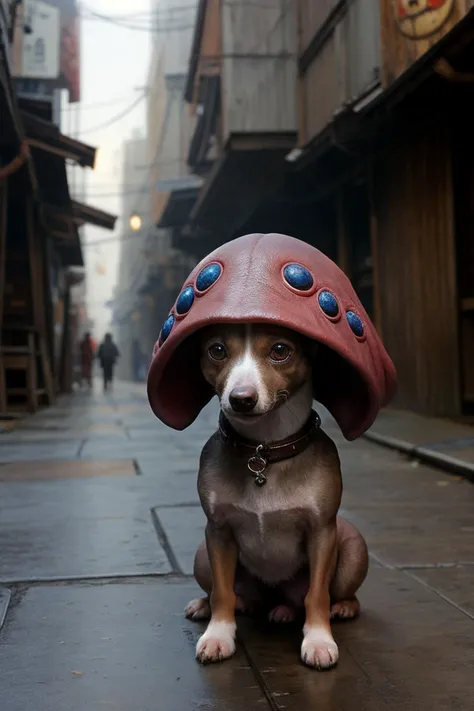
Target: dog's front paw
319 650
217 642
198 609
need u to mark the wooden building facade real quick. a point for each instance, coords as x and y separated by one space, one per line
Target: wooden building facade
398 111
38 238
241 74
380 176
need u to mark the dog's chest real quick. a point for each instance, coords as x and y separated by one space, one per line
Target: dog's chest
269 524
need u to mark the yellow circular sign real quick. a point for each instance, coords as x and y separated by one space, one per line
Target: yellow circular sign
418 19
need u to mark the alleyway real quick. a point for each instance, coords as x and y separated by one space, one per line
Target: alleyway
99 520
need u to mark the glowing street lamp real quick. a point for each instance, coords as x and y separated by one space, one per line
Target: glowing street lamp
135 222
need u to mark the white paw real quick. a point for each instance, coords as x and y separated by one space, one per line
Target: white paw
217 642
198 609
319 650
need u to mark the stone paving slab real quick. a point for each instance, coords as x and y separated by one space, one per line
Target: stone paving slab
96 449
33 434
184 527
44 470
455 584
35 452
411 535
125 647
77 527
409 650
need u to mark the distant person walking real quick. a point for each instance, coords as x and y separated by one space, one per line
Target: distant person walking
108 355
86 348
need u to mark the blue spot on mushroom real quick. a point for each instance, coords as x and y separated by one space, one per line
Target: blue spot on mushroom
185 300
355 323
298 277
208 276
166 328
328 303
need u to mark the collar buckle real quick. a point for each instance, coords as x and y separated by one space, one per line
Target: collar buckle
257 465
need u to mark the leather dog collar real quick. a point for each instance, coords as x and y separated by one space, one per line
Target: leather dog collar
263 454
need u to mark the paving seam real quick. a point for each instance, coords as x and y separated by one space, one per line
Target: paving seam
439 594
136 465
98 579
258 676
434 566
5 598
185 505
164 542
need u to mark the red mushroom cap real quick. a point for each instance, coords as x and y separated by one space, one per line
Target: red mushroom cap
273 278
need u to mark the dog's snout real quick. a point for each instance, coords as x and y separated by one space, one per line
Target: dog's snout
243 399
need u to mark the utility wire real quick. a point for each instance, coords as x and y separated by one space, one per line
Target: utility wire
144 187
113 240
99 105
158 12
117 117
89 14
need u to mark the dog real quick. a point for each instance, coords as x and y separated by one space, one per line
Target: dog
270 486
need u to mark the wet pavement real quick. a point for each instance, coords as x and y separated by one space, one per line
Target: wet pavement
99 521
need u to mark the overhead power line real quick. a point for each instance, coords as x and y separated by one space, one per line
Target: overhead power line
99 105
116 118
151 27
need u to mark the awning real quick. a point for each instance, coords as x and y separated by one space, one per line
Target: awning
93 216
178 207
11 128
46 136
251 167
165 188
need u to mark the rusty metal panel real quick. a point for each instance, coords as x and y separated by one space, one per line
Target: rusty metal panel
259 66
411 29
413 203
312 14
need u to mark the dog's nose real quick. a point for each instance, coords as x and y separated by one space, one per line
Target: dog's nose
243 399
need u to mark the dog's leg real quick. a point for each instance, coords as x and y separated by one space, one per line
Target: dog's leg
218 641
200 608
351 571
319 648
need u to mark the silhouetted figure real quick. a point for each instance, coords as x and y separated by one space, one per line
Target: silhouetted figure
108 354
86 348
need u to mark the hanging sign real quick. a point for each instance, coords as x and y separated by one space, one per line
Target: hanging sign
421 18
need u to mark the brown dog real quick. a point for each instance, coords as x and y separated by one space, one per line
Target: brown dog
273 537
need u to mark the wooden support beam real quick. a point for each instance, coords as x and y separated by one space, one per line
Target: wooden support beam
36 258
16 163
42 145
445 70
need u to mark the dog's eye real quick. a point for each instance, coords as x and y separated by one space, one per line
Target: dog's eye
280 352
217 351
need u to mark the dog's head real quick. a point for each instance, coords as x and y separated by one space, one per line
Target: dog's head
254 369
